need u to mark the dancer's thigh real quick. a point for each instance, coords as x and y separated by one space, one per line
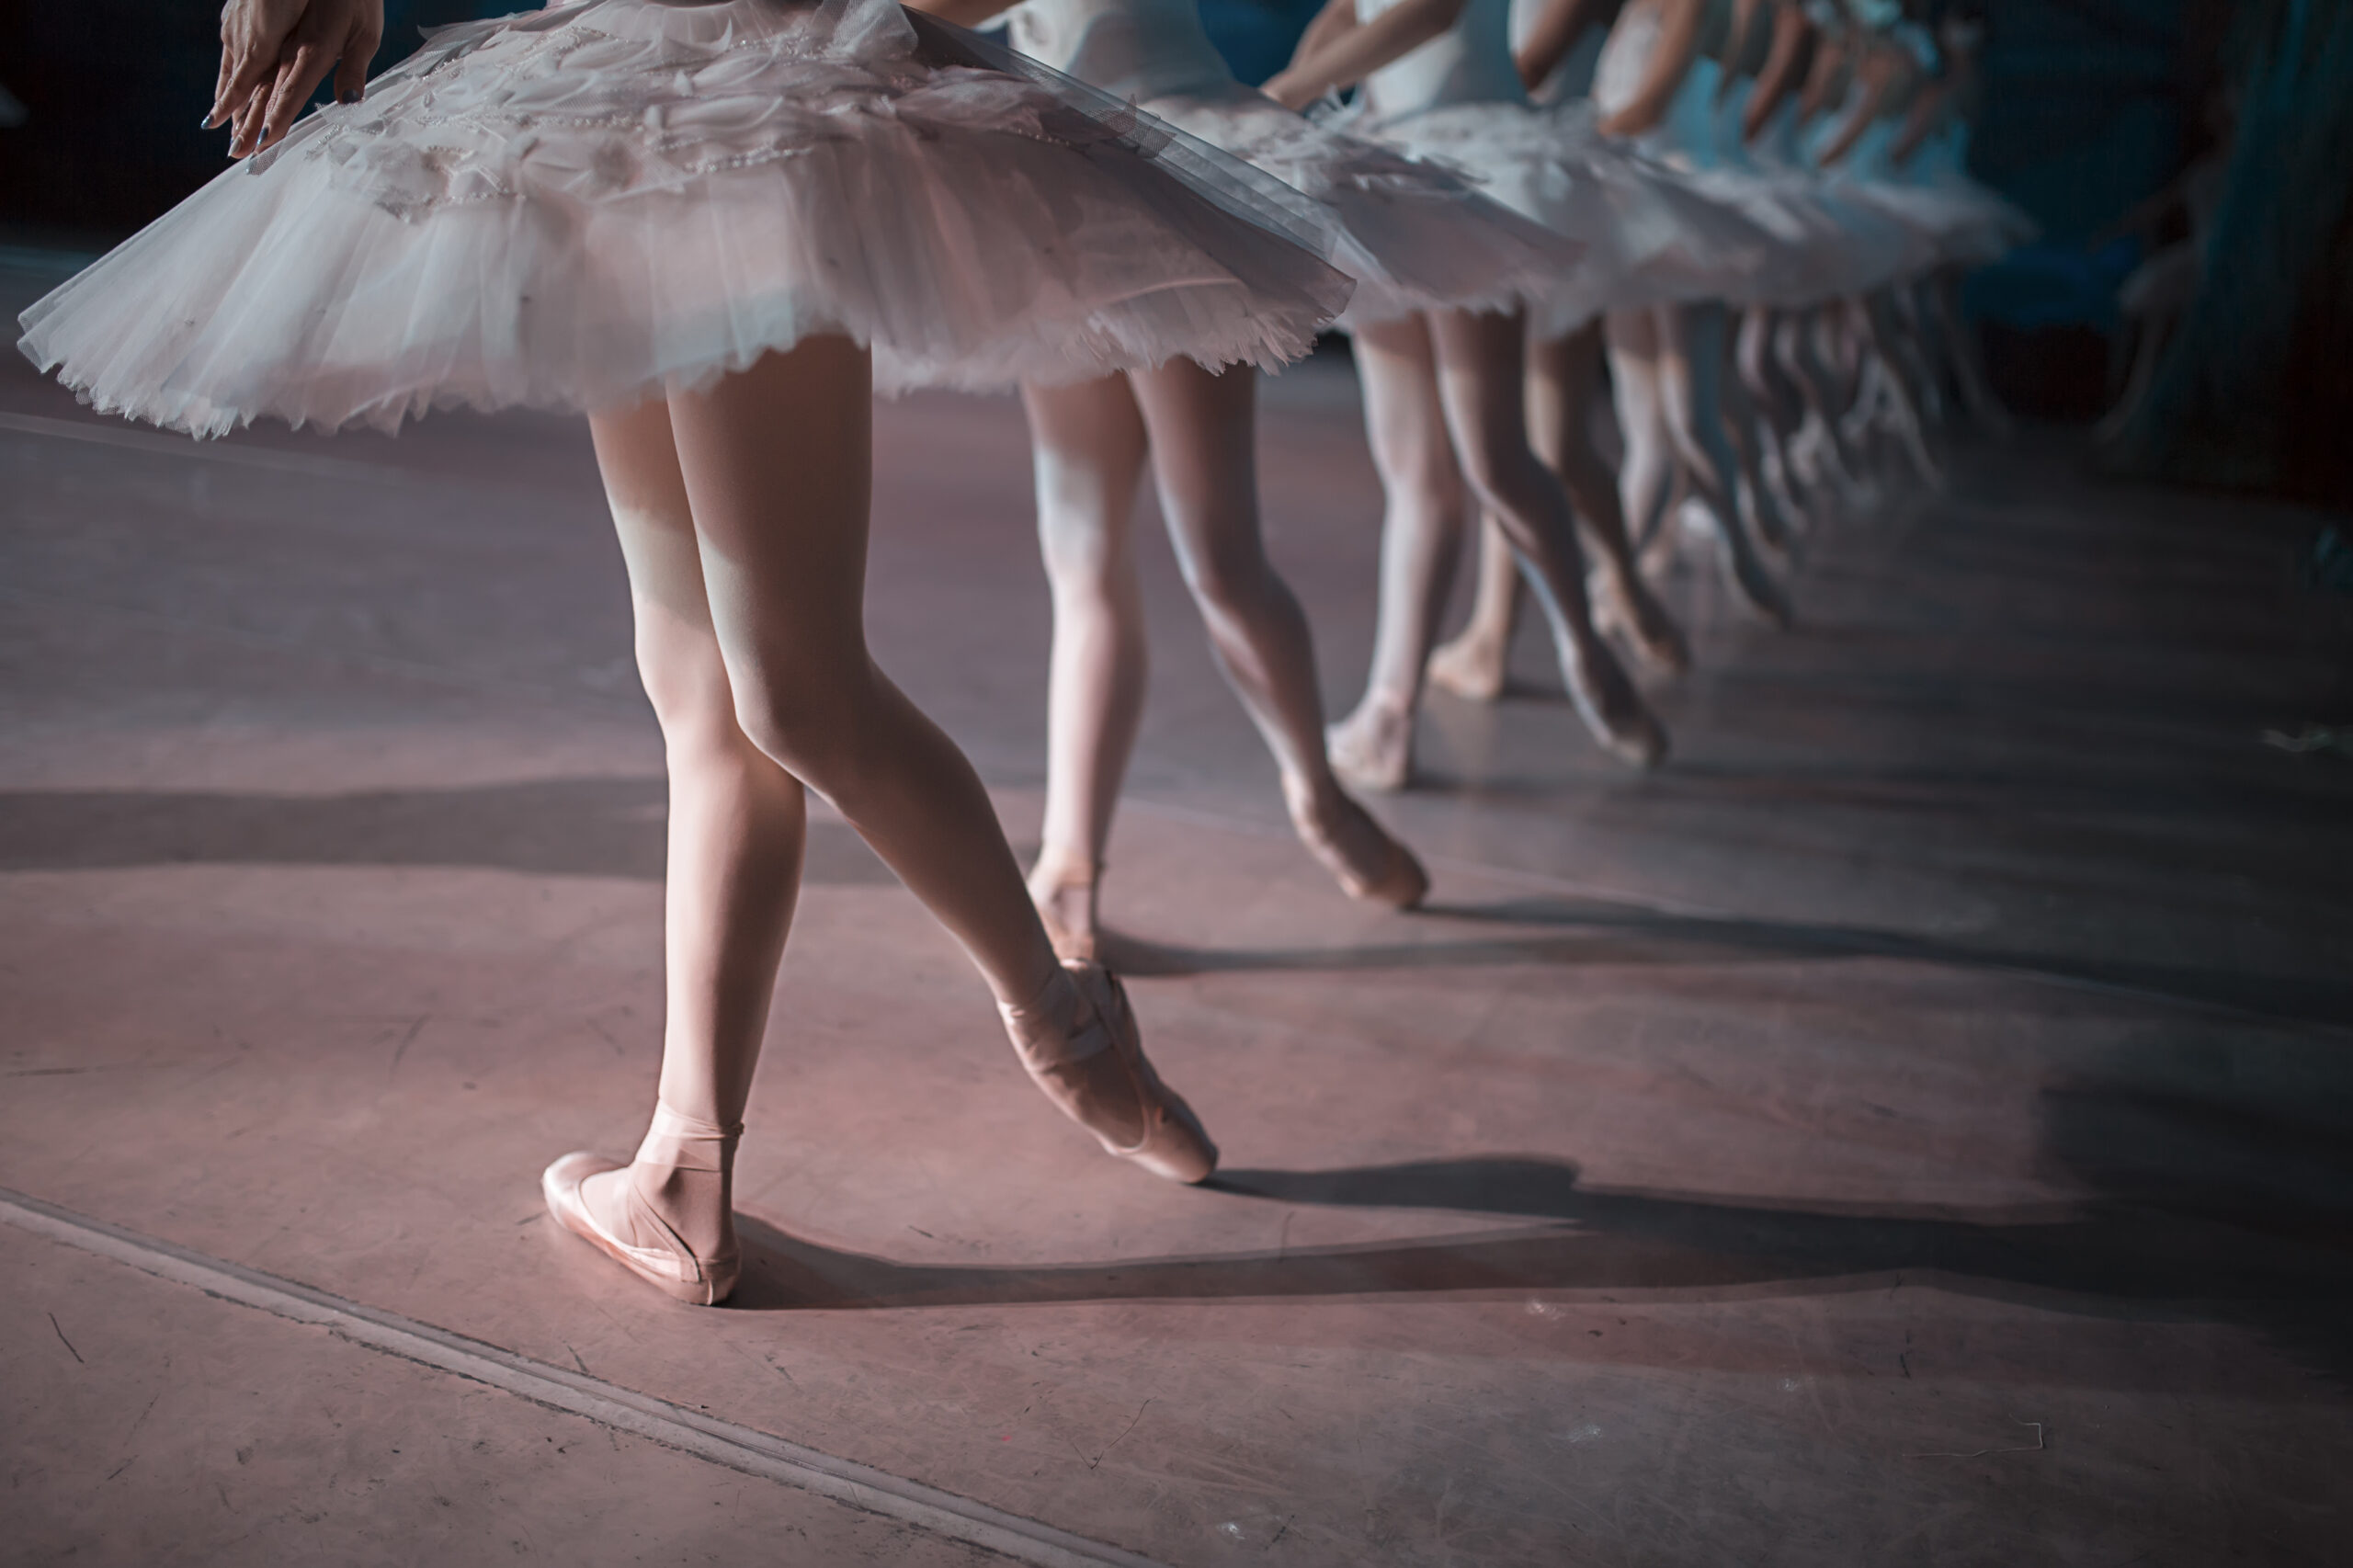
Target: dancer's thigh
1087 449
677 651
776 463
1404 420
1483 388
1203 430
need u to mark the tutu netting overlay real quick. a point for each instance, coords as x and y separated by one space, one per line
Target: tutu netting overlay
1414 236
1456 101
575 207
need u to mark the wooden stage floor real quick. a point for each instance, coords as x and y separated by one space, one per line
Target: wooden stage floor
1910 1128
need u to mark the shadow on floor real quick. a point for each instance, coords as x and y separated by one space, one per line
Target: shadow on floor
567 827
1617 934
2119 1258
613 828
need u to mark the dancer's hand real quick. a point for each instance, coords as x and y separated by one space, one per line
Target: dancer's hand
1339 52
274 53
1291 91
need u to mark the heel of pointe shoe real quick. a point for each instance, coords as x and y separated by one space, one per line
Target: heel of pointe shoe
673 1267
1096 1073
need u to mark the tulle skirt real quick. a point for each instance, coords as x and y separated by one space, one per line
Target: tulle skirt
1831 242
1959 222
1415 235
576 207
1651 236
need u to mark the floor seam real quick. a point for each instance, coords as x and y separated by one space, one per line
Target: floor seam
737 1448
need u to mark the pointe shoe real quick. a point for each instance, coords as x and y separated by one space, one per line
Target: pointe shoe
1472 667
1370 865
1751 580
1633 615
1373 750
1612 709
1066 908
1081 1046
637 1237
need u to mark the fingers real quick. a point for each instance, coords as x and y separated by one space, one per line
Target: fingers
351 72
297 79
220 85
243 69
244 131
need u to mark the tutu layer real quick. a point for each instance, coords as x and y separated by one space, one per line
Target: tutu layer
575 207
1653 236
1416 236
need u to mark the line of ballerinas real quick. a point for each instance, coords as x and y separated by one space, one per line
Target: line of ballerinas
715 227
1805 381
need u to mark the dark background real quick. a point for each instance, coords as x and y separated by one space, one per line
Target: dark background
2089 102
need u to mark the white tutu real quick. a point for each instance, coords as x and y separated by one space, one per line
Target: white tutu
1829 246
1653 236
1414 237
573 208
1964 223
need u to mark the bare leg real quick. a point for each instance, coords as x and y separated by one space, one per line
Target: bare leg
742 516
1565 409
1820 438
1646 478
776 473
1088 451
1886 339
1692 362
1203 430
1404 424
1759 508
1473 662
1777 407
738 826
1480 361
1915 348
1564 382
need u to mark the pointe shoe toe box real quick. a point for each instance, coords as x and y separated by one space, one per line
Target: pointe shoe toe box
697 1282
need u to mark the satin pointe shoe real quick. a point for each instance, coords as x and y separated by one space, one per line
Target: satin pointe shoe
1370 865
619 1219
1080 1045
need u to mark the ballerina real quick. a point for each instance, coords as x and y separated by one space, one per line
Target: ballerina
1444 401
1698 246
1414 238
1676 395
713 228
1979 227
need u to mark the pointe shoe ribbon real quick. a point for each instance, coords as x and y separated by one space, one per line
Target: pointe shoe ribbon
674 1141
1080 1044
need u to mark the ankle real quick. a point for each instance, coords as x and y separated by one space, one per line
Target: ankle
1058 867
1313 801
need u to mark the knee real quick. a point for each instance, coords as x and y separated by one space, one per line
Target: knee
809 725
1226 569
1084 555
1423 483
686 682
1501 469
